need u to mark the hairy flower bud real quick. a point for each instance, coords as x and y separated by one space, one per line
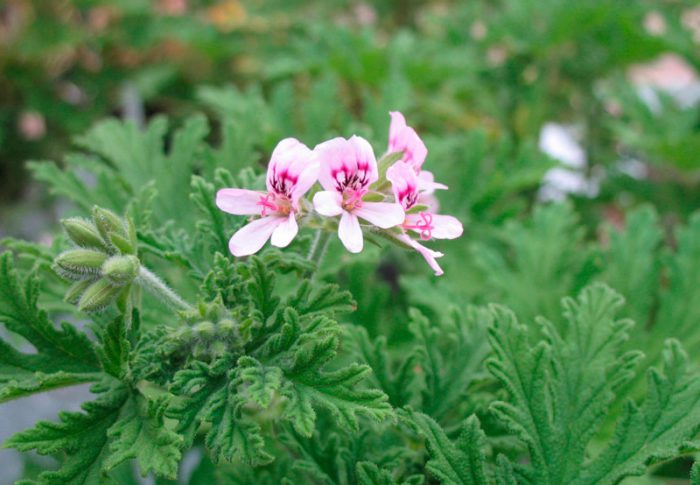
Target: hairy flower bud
98 295
205 329
76 290
109 225
121 270
78 264
83 233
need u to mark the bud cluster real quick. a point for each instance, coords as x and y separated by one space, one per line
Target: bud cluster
209 331
104 263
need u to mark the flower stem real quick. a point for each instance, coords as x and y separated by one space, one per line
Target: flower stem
158 288
319 246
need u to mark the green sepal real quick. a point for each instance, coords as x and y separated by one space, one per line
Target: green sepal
417 208
83 233
98 295
387 161
77 264
372 196
108 223
121 270
76 290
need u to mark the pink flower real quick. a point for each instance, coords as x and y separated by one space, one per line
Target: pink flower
403 138
348 168
426 223
293 169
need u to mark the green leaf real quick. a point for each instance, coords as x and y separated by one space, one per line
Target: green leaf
140 433
563 386
81 436
453 463
337 391
667 420
695 474
208 394
63 356
259 382
114 347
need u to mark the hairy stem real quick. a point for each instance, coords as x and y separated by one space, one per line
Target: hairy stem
158 288
319 246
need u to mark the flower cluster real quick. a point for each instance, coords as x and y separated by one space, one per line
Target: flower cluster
394 196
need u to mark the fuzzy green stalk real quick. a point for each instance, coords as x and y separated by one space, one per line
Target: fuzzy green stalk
319 246
158 288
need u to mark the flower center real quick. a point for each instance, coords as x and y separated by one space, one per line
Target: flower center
271 202
424 226
352 198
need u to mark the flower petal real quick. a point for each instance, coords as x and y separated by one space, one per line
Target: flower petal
381 214
293 169
327 203
350 233
240 202
446 227
403 138
404 183
285 232
251 237
429 255
340 159
427 183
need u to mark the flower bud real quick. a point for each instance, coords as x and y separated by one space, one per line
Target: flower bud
205 329
108 223
83 233
226 326
121 270
76 290
98 296
78 264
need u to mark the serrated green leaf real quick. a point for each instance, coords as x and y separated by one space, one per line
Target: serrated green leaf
453 463
140 433
62 357
81 436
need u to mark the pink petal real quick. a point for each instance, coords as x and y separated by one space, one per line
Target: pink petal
339 155
350 233
251 237
294 164
404 183
285 232
239 201
429 255
327 203
381 214
427 184
446 227
403 138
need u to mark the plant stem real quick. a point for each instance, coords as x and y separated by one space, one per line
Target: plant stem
319 246
158 288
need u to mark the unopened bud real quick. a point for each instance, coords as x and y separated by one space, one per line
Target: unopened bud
108 223
76 290
121 270
218 348
98 296
205 329
226 326
83 233
77 264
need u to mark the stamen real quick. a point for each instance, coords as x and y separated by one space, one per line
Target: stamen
424 226
267 204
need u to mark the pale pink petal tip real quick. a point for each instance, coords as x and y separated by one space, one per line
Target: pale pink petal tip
252 237
350 232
